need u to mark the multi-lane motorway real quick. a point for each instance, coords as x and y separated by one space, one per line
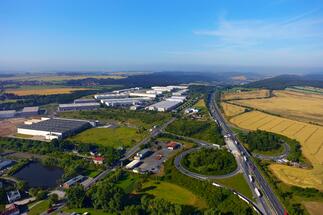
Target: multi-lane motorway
267 198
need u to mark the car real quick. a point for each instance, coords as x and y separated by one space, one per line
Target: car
49 210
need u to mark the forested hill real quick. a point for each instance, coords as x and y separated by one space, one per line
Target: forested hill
283 81
167 78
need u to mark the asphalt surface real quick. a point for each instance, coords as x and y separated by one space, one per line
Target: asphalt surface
268 199
274 158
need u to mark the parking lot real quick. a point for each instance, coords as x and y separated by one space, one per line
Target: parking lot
160 154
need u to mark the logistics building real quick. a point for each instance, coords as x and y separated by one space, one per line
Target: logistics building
164 106
133 164
29 111
125 101
111 96
54 128
78 106
78 101
142 94
7 114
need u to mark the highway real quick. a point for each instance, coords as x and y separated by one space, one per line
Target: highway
268 199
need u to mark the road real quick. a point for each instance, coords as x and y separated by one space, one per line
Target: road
273 157
129 153
268 200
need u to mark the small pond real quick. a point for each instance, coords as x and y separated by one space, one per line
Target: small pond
37 175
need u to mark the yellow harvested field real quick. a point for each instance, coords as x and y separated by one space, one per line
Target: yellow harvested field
50 91
310 137
300 106
254 94
232 110
314 208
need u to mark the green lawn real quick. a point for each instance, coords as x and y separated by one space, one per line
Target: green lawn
115 137
274 152
173 193
128 182
238 183
39 208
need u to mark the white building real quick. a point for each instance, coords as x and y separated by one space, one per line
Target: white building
143 95
180 92
13 196
78 106
164 106
177 98
111 96
133 164
125 101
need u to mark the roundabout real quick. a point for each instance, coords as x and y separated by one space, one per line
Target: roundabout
186 171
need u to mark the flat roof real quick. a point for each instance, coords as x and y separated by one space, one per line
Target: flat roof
165 104
7 111
56 125
79 104
30 109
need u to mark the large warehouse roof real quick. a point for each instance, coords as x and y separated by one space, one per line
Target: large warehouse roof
56 125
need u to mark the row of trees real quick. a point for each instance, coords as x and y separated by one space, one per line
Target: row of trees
209 161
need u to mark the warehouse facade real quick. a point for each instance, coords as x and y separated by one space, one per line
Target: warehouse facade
54 128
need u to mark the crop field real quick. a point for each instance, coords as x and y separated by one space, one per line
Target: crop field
49 91
295 105
314 208
253 94
232 110
114 137
310 137
173 193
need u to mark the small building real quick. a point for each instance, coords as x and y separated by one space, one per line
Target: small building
29 111
142 154
76 180
13 196
7 114
5 163
133 164
98 160
191 110
11 210
78 106
172 145
136 107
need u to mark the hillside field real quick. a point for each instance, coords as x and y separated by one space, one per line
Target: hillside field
49 91
310 137
252 94
232 110
295 105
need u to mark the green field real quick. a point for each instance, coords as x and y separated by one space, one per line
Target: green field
172 193
114 137
126 117
238 183
202 130
39 208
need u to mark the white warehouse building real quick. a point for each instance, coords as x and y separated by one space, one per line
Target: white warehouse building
164 106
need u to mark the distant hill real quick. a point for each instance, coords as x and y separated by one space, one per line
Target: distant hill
283 81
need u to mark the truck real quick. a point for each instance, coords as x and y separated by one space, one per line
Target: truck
250 178
257 191
245 158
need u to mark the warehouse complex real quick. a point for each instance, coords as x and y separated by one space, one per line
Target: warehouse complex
54 128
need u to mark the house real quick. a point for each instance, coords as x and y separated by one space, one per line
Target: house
98 160
73 181
13 196
142 154
11 210
172 145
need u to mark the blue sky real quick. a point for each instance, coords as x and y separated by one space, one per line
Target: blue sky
45 35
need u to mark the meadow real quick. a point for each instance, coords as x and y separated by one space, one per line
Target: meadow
114 137
250 94
53 77
310 137
167 191
295 105
232 110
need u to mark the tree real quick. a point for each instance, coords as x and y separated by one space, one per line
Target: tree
138 186
53 199
41 195
75 196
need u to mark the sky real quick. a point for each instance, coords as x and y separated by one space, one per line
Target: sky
62 35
